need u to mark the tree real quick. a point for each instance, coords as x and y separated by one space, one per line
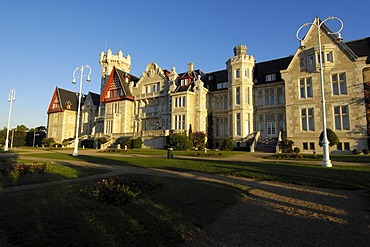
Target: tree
332 137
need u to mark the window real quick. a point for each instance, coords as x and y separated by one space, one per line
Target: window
343 146
311 60
307 117
280 96
339 84
329 56
237 95
341 116
269 96
305 85
238 125
222 85
271 128
246 73
259 98
270 77
180 101
180 122
281 119
305 146
115 108
237 73
312 146
247 96
184 81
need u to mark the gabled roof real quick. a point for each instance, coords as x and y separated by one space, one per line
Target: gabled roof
117 80
270 67
194 75
66 100
360 47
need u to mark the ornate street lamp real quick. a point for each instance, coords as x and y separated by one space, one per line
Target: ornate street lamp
11 98
81 69
325 142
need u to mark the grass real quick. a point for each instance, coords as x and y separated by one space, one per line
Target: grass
53 172
58 216
337 177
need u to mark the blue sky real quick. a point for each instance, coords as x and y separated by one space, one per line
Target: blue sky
42 41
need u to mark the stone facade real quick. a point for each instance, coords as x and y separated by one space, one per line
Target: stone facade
271 97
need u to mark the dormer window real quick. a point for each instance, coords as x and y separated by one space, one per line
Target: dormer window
68 105
270 77
222 85
185 81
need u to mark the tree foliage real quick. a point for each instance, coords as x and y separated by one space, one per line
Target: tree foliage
332 137
227 144
199 139
178 141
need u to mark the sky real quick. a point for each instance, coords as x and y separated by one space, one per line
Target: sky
43 41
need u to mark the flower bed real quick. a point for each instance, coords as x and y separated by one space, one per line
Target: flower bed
22 169
119 190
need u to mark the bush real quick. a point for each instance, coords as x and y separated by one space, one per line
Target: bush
178 141
297 150
332 138
286 146
365 151
67 142
355 151
199 140
137 143
120 190
22 169
48 142
227 144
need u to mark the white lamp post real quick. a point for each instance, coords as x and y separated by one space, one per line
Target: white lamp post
11 98
325 142
81 69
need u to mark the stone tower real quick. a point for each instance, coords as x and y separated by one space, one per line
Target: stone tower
108 60
240 77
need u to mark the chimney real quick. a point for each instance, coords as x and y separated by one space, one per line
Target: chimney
191 67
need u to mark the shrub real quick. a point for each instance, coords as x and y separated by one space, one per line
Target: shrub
67 142
22 169
137 143
227 144
286 146
121 142
179 141
48 142
297 150
199 139
355 151
332 137
365 151
119 190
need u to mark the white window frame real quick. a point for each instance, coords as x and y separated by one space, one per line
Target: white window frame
305 88
341 117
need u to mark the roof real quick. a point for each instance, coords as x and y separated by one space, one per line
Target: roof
194 75
216 77
360 47
95 98
117 80
67 100
270 67
67 96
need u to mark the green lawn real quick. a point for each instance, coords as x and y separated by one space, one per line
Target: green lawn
58 216
53 172
337 177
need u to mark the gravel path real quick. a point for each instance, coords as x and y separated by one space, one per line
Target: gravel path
273 214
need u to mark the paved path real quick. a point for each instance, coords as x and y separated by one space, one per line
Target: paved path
273 214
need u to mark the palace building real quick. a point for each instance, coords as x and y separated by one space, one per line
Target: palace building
247 101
